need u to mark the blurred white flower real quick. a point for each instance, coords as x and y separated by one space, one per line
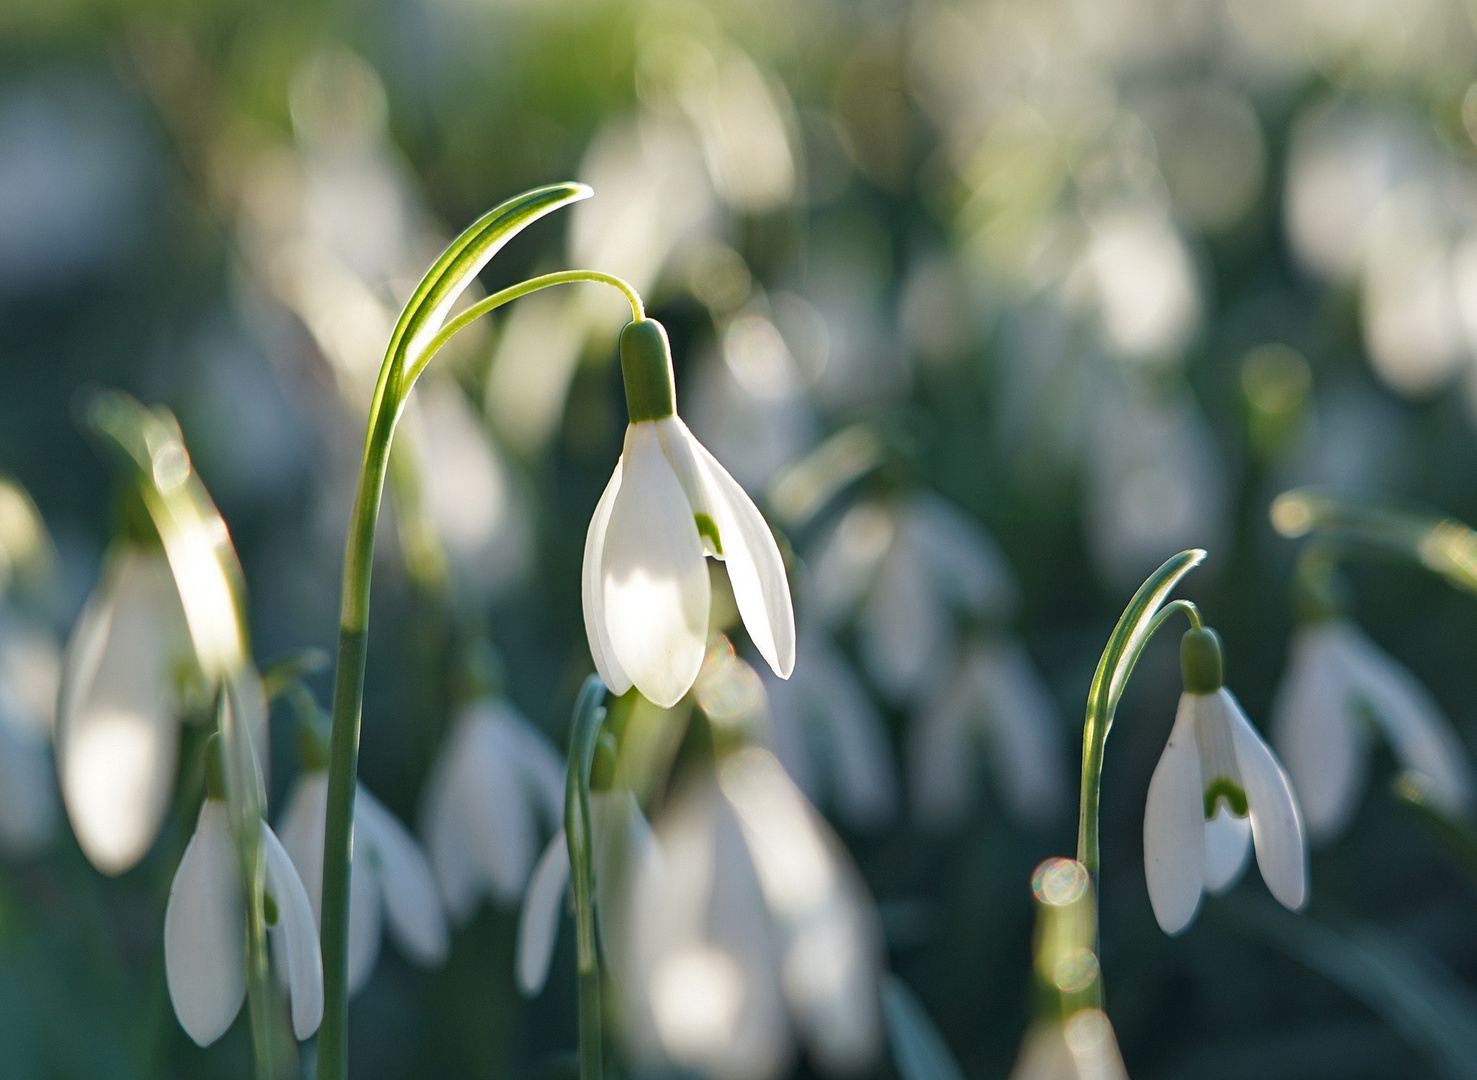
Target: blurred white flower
117 732
645 585
1081 1048
390 880
1337 681
904 567
30 670
830 737
622 844
1217 789
1156 484
750 931
496 783
995 698
205 931
1148 296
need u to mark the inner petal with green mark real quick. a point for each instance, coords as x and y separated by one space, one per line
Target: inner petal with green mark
1220 789
707 528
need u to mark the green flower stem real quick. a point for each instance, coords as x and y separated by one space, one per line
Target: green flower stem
404 362
1137 625
589 715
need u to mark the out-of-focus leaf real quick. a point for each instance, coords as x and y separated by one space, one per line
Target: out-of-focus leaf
1456 838
918 1049
1421 1001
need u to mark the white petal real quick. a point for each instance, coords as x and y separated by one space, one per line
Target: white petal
1022 729
1276 821
942 761
538 922
295 922
205 931
1174 824
416 919
755 568
624 844
655 576
863 770
1419 732
117 734
963 559
366 915
446 827
1317 733
592 592
904 630
1227 849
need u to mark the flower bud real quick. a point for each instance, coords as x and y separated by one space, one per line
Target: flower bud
1202 661
646 367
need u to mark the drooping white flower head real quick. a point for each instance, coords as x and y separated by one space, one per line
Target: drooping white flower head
904 568
669 503
496 784
622 844
205 931
751 931
1083 1047
996 698
30 667
830 737
117 731
390 881
1337 680
1217 791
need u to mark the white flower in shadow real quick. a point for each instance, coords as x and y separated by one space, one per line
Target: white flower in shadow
496 783
205 931
1337 681
995 703
390 881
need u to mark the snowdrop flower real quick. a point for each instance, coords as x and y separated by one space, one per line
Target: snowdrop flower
750 931
1217 790
903 567
996 698
117 737
1337 677
205 926
1082 1047
496 781
30 667
390 880
669 503
830 737
623 843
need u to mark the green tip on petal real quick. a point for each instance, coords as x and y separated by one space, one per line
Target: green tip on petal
269 909
1221 788
1202 661
646 367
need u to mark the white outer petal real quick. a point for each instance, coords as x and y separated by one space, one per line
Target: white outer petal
963 559
1227 849
624 845
296 924
1174 824
756 569
904 632
446 828
863 769
1023 731
117 732
1419 732
592 592
1316 732
205 931
417 921
1276 821
942 760
654 574
538 922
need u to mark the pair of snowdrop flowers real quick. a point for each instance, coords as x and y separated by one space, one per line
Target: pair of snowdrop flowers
909 569
1217 792
669 504
1337 682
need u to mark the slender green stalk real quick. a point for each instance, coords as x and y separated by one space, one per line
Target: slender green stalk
1137 625
416 340
589 715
